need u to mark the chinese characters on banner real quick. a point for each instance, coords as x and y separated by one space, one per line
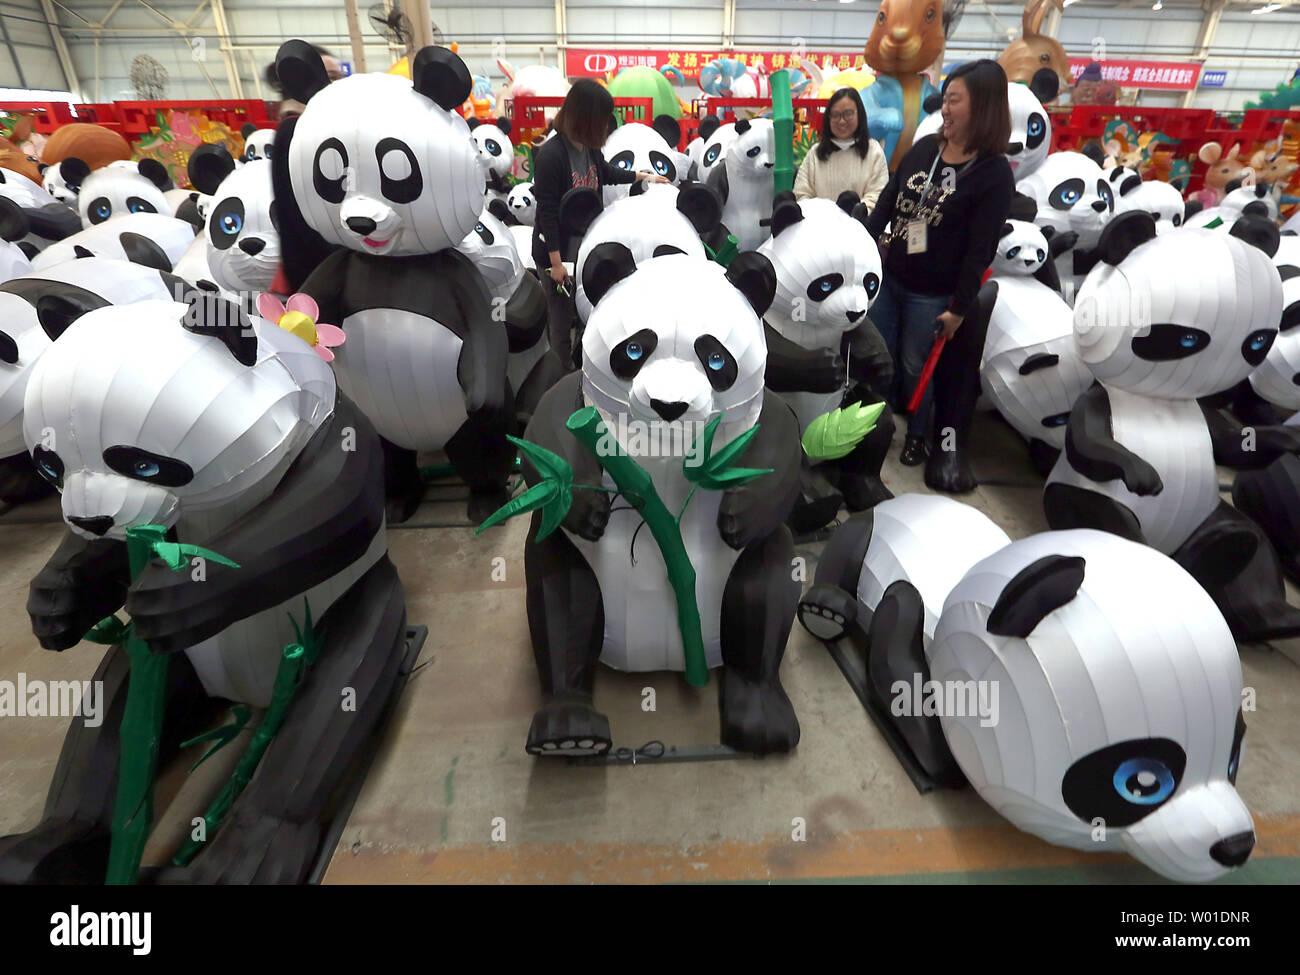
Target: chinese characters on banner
1169 75
591 63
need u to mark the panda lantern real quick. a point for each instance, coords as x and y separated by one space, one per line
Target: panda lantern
654 372
386 169
745 182
1102 712
1160 322
240 238
636 147
225 430
1072 194
492 140
828 273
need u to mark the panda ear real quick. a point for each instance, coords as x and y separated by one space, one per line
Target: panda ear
862 215
1130 184
73 171
743 126
753 276
932 104
248 129
1261 190
141 250
213 315
156 173
606 265
1123 234
300 70
701 206
668 129
441 76
473 122
847 200
1036 590
1256 208
1094 152
578 208
1232 184
1006 229
57 311
784 216
14 224
1192 208
499 210
1023 208
1048 232
503 123
1258 231
209 164
708 125
1045 84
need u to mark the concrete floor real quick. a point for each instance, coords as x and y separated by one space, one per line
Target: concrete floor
452 797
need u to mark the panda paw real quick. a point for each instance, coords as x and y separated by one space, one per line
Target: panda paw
826 611
568 728
757 716
589 514
1143 480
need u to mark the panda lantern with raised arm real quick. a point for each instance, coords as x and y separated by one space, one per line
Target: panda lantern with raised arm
1072 194
1161 322
827 275
497 152
745 182
658 370
384 170
227 431
1111 729
639 148
1030 371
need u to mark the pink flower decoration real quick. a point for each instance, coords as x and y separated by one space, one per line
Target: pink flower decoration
299 318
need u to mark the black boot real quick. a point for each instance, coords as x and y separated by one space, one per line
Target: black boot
949 470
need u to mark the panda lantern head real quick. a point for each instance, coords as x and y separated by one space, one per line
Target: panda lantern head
521 203
115 191
1072 193
492 141
243 241
63 179
1185 315
1104 712
637 147
141 413
1022 249
379 164
653 359
827 270
753 153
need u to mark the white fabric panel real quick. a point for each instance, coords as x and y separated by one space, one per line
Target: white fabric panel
172 236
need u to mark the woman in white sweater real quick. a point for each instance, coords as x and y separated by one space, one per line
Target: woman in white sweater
846 157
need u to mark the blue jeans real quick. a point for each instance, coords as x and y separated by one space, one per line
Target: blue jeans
906 321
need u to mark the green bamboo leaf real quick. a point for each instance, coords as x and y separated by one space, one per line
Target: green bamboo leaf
731 451
732 477
833 435
109 631
548 464
223 736
548 494
177 556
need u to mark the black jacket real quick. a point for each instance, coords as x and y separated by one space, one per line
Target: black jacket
552 178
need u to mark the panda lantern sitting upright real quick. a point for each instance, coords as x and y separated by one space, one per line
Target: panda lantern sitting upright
385 168
1138 458
652 364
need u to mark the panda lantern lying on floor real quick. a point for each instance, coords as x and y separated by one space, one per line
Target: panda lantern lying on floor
237 439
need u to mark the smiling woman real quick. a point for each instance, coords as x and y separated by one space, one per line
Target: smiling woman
846 157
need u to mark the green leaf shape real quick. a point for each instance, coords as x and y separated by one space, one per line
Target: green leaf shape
833 435
305 635
109 631
553 493
178 555
714 472
223 736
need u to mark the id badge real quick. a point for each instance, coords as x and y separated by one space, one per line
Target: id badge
916 236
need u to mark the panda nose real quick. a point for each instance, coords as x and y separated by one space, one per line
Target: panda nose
361 225
1099 206
768 165
669 411
1233 851
100 525
1014 147
252 245
853 316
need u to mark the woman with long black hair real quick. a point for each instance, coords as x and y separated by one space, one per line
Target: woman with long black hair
945 206
846 157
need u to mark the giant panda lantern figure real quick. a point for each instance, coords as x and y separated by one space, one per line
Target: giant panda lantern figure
1061 698
656 371
385 170
1161 322
225 430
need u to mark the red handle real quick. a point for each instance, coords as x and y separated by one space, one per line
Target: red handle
933 360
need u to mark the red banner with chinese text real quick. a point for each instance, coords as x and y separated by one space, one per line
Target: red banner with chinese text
1169 75
595 63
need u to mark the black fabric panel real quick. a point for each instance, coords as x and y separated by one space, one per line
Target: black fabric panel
82 582
841 560
1091 448
754 510
868 357
1067 506
566 615
590 510
791 368
1271 497
526 314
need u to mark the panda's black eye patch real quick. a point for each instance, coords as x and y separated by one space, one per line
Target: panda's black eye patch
1125 782
136 205
1166 342
622 160
871 281
1288 271
1107 195
1056 420
1256 345
275 216
327 170
227 222
48 465
100 209
143 465
1290 316
399 173
1035 131
492 146
627 358
484 234
711 156
663 249
822 288
1234 756
719 364
1066 194
8 349
662 165
1040 360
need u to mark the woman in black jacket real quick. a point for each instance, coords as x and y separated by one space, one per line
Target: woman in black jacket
945 206
571 158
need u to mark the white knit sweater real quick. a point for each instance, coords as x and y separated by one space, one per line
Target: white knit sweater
844 170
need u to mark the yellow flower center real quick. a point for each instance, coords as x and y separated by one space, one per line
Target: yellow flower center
299 324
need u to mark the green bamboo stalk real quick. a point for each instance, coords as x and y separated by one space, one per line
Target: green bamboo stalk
286 684
783 124
141 732
637 486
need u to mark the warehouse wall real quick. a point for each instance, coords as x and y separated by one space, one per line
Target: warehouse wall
26 48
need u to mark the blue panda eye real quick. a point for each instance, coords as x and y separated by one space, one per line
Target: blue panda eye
826 287
47 469
754 151
1042 255
1188 340
102 209
1070 196
1013 252
634 351
1035 126
145 468
624 164
716 361
1143 781
661 166
232 223
492 146
1258 342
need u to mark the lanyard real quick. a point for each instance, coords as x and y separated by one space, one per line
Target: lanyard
925 192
